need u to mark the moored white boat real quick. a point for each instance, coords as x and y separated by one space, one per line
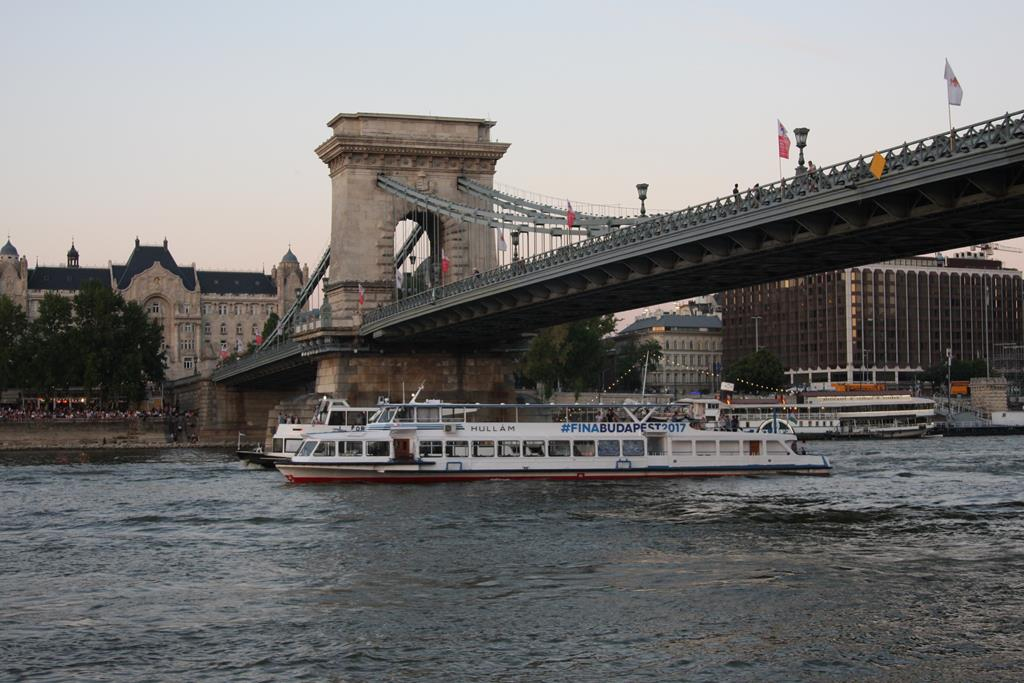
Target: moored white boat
330 413
433 441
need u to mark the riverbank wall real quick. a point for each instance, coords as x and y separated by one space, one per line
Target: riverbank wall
59 434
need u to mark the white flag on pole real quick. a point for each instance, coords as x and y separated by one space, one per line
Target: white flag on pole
953 89
502 245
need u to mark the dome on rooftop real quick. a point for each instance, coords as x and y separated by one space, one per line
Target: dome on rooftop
9 250
72 252
289 257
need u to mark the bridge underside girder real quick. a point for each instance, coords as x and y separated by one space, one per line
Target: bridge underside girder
944 214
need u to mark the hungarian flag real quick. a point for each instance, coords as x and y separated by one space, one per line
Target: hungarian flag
570 216
502 245
362 293
444 263
954 92
783 140
259 339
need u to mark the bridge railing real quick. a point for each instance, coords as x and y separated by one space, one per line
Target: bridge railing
845 174
282 348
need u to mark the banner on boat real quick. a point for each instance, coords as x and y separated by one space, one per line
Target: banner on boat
621 427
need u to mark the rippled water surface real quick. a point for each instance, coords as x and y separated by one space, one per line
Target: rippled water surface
906 565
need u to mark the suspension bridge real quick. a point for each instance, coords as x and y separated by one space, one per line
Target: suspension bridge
493 265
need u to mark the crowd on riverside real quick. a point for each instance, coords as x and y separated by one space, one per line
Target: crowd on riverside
64 414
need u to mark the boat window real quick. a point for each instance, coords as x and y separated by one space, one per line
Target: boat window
351 448
705 448
278 445
307 448
428 414
402 415
558 449
431 449
754 447
608 447
632 448
508 449
583 449
292 445
336 418
456 449
533 449
729 448
378 449
483 449
324 448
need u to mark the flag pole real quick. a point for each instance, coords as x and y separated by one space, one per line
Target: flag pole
949 112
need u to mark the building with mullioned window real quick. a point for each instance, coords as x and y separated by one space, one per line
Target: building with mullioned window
205 314
691 351
882 322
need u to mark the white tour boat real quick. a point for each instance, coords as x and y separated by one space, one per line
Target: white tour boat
332 413
828 414
433 441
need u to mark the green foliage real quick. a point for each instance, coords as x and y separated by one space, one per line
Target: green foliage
13 330
629 363
97 341
569 355
51 359
754 372
270 325
119 346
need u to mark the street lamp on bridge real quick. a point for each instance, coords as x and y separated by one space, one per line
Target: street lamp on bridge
641 190
515 244
801 142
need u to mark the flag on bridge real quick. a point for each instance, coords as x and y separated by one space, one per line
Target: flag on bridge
570 216
877 165
259 339
783 141
502 245
399 279
362 293
444 263
954 92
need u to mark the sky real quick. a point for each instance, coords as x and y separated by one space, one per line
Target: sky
197 121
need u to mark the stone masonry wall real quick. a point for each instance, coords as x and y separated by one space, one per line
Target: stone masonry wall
362 378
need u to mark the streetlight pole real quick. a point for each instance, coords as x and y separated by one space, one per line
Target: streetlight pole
641 190
801 142
757 320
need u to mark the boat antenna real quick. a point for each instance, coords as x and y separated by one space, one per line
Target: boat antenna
416 395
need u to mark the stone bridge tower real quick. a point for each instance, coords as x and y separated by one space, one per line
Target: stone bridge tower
425 152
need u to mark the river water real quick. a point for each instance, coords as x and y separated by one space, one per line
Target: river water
906 565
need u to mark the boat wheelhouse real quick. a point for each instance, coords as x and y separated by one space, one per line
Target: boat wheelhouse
434 441
330 413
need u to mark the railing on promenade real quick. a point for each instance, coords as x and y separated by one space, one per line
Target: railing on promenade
843 175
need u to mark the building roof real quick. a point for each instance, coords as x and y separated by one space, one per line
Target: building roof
229 282
289 257
62 277
671 321
143 257
8 249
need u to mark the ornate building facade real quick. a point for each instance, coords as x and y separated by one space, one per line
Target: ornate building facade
205 314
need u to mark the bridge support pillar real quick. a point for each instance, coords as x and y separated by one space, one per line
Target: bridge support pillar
223 412
362 378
